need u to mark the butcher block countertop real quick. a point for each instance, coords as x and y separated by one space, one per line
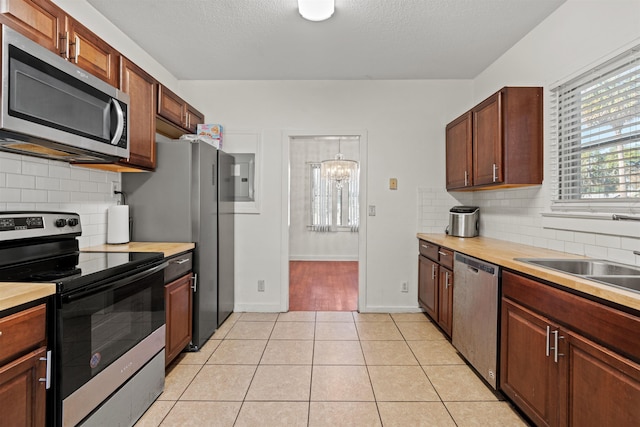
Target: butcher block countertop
502 253
168 248
15 294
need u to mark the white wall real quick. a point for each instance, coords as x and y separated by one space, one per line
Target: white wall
305 244
404 121
577 36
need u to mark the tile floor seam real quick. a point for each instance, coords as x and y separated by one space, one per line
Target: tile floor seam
366 365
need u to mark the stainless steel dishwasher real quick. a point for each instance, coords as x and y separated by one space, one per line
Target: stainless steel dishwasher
475 314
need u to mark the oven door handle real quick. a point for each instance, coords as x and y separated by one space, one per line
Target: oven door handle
114 285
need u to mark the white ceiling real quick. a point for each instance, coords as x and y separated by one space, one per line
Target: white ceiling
365 39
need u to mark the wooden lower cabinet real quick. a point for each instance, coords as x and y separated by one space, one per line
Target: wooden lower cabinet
602 388
527 375
445 300
552 369
23 363
428 286
435 284
178 306
22 395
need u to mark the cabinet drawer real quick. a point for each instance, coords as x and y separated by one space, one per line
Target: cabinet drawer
429 250
22 332
445 257
179 265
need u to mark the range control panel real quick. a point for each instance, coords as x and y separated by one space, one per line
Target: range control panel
25 225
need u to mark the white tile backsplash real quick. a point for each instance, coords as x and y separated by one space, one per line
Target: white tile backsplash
515 215
30 183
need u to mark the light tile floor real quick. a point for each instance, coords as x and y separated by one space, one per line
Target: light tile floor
326 369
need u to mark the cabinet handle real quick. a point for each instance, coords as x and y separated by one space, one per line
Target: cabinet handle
76 45
194 285
425 246
64 42
47 379
180 261
555 346
495 172
446 280
547 352
466 178
433 271
443 253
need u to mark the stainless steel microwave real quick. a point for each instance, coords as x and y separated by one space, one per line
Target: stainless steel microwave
51 108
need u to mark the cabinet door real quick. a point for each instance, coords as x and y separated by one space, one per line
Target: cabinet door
194 117
603 388
92 54
487 141
428 286
178 306
459 153
528 373
40 20
141 88
445 300
171 107
22 395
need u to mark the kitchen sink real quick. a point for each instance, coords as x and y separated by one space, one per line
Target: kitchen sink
608 272
631 283
585 267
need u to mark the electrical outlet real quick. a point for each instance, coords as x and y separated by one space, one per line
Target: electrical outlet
405 287
260 285
115 186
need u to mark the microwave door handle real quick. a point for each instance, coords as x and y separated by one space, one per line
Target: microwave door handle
120 126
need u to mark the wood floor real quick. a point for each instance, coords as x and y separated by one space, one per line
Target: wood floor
323 285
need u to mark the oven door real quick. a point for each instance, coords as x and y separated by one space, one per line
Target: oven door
106 332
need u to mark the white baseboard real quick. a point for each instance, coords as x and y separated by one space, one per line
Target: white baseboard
257 308
323 258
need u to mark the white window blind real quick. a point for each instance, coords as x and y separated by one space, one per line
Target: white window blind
596 127
333 208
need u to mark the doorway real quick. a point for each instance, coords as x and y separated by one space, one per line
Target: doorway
324 224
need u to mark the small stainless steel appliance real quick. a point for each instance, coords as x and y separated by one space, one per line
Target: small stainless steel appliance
51 108
106 321
475 314
464 221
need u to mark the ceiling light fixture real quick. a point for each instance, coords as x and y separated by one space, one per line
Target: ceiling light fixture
316 10
339 170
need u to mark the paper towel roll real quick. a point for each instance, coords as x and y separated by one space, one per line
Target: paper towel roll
118 224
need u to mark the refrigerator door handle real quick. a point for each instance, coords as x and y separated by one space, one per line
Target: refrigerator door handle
194 284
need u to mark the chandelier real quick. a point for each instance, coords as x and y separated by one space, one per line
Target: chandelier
339 170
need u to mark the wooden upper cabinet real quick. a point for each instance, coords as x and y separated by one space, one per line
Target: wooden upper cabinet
503 137
194 117
459 152
171 107
175 111
91 53
39 20
487 141
141 88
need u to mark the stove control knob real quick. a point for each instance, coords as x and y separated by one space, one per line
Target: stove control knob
72 222
61 222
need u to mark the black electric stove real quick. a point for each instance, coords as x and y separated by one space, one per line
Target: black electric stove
106 322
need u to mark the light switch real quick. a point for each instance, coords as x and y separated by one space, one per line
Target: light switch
393 183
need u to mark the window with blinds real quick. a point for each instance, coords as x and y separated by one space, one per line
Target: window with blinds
332 208
597 133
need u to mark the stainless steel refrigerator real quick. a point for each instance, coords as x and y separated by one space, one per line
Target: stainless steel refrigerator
189 198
